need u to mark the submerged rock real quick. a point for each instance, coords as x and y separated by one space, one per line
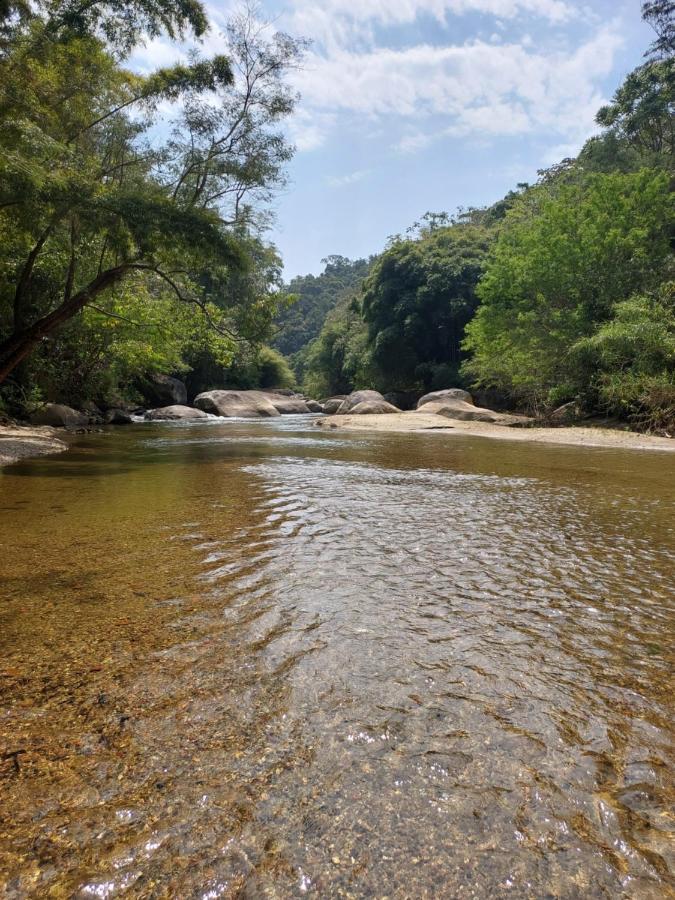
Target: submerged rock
239 404
59 416
175 413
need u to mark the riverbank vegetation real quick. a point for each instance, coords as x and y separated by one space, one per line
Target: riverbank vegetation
562 291
133 211
133 207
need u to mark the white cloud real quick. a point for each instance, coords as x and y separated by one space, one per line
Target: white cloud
321 19
350 178
477 89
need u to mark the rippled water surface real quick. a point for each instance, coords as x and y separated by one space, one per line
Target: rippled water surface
258 660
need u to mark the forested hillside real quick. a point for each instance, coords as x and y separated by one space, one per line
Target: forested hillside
132 243
313 297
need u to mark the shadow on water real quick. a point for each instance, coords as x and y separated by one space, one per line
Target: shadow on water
268 662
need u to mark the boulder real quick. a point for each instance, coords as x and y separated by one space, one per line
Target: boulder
58 416
175 413
163 390
467 412
373 408
451 394
331 406
118 417
240 404
459 409
357 397
314 407
289 406
95 414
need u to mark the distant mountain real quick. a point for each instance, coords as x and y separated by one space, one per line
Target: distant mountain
317 296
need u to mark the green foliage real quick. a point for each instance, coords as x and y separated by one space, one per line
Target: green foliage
660 14
337 361
566 255
314 297
642 110
628 364
91 201
418 300
246 368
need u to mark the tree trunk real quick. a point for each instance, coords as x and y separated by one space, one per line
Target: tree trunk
19 345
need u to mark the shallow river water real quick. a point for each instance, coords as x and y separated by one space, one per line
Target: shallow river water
261 660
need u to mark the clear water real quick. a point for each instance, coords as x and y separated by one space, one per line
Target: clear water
259 660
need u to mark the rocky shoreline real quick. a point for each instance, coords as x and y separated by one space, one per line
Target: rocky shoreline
448 410
23 441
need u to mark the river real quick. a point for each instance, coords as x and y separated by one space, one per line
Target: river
255 659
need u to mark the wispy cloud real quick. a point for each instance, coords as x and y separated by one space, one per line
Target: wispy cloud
341 16
476 88
338 181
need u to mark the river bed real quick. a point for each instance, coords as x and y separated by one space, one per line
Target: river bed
256 659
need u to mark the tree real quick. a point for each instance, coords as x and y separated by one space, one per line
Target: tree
417 302
315 296
90 200
338 361
660 14
629 362
643 109
566 255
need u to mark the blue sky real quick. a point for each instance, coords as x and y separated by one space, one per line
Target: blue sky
415 105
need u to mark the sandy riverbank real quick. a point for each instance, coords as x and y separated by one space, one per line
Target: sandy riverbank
19 441
579 436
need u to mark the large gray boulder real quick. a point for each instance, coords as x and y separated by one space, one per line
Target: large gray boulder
59 416
239 404
357 397
448 394
314 407
175 413
331 406
163 390
467 412
288 406
373 408
459 409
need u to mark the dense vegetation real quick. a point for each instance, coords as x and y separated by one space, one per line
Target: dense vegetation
132 207
562 291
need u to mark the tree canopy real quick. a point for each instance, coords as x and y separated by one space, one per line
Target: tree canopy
92 195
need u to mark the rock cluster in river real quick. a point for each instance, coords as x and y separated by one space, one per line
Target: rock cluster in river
175 412
254 404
